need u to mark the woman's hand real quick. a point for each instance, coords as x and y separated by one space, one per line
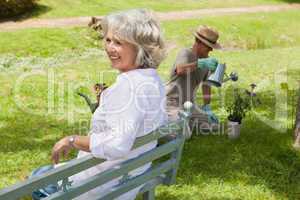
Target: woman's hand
63 146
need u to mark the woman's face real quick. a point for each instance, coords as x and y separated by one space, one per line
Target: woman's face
121 53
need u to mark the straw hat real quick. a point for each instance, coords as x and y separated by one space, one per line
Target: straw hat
208 36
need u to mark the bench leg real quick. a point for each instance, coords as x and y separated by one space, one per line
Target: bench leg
149 195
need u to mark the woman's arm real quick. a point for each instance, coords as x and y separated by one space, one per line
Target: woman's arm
63 146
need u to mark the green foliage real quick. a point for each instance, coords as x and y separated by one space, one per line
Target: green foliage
248 31
71 8
235 33
11 8
238 108
46 42
259 165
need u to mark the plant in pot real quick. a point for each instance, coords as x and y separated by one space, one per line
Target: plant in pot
237 110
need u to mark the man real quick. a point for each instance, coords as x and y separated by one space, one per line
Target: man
191 68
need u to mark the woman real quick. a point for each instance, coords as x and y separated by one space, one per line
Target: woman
132 107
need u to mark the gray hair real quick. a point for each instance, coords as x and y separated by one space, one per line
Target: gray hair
138 27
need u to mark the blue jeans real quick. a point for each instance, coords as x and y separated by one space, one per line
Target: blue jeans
46 191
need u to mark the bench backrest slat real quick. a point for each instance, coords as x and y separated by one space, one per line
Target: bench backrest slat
118 171
139 180
172 127
20 189
23 188
173 147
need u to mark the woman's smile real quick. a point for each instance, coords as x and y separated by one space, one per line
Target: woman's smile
122 54
114 58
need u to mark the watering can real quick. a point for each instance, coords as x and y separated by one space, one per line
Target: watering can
217 78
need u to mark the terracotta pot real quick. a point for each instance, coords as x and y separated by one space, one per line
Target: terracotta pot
233 129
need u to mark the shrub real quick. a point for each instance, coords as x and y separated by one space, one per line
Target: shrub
239 107
242 103
11 8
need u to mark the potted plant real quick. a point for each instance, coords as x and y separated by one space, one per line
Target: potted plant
237 110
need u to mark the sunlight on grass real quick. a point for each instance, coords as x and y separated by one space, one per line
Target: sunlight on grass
261 164
68 8
248 31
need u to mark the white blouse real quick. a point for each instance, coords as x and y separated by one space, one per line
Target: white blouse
132 107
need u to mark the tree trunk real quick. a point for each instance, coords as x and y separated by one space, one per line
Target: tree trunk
297 123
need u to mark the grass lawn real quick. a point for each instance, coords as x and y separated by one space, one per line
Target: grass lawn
259 165
251 31
68 8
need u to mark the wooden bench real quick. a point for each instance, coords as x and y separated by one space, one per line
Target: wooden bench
162 172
